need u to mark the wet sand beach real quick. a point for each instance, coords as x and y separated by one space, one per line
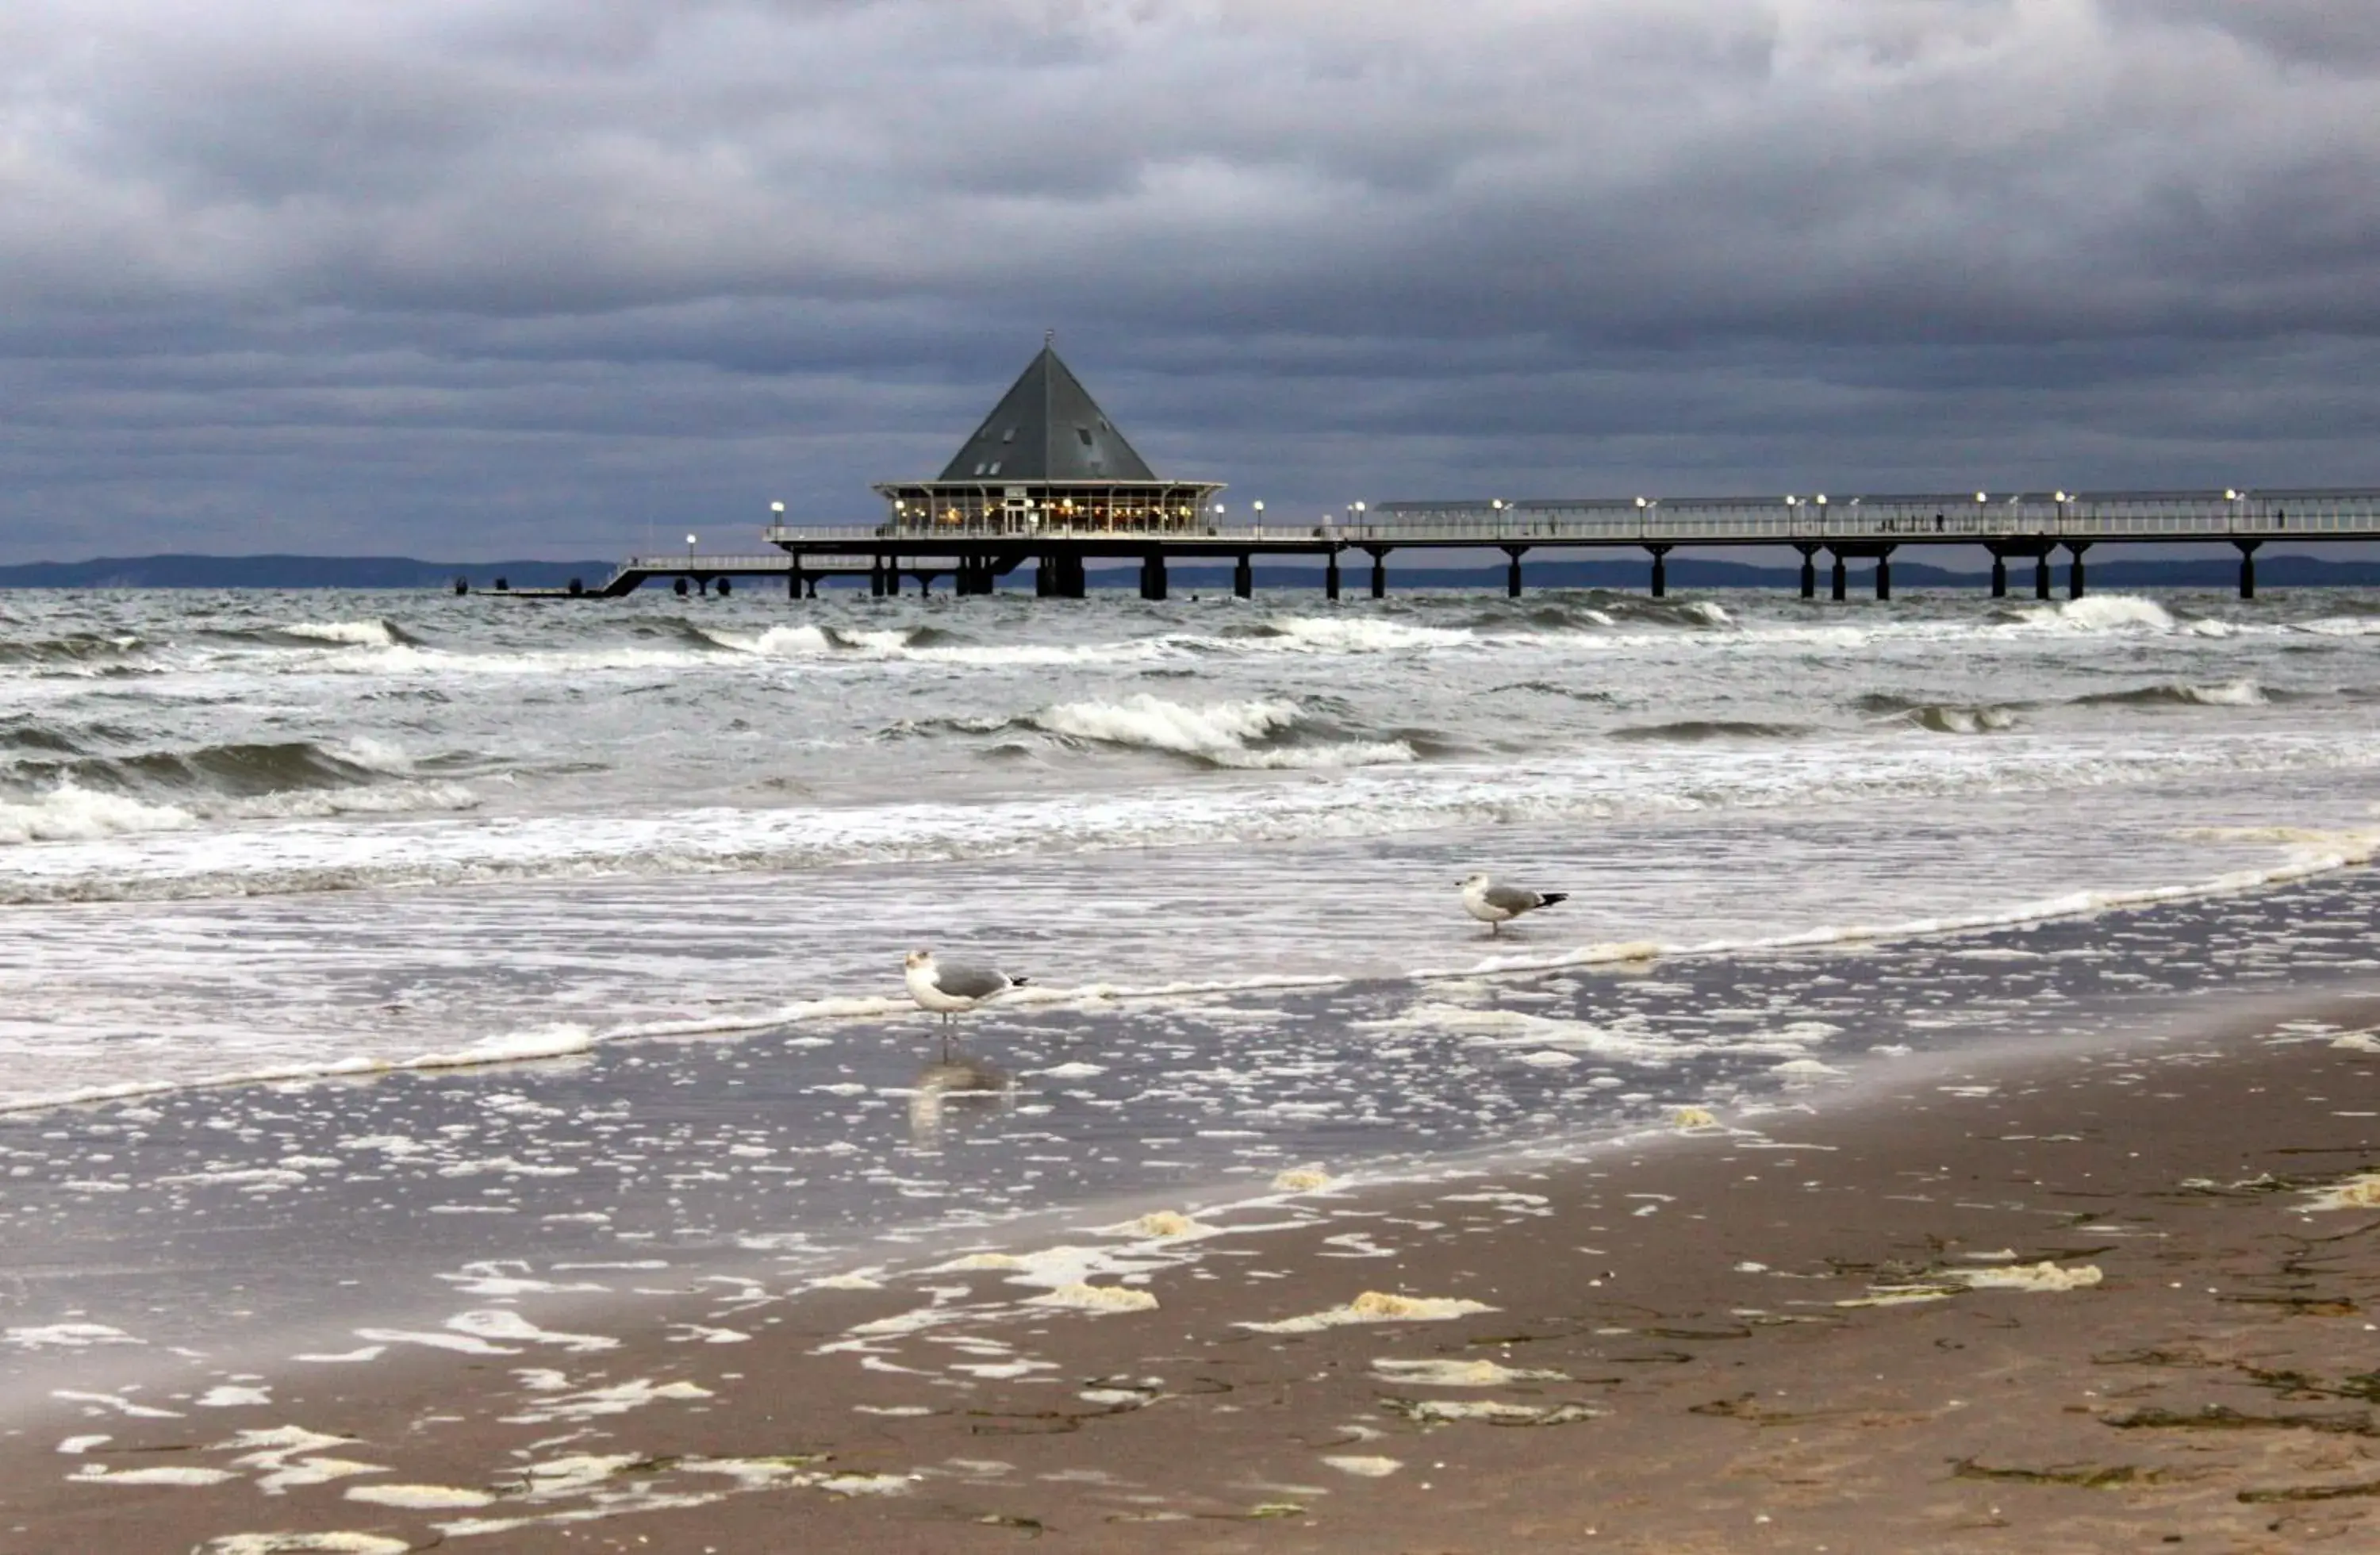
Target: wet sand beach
2073 1300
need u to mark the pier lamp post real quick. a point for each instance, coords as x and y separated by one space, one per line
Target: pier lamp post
1792 514
690 551
1258 505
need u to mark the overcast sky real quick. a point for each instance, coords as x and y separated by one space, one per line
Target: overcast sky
477 278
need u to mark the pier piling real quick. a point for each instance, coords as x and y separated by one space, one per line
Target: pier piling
1999 576
2247 566
2074 580
2041 576
1331 575
1660 571
1809 571
1379 571
1842 580
1152 576
1513 571
1884 573
1243 578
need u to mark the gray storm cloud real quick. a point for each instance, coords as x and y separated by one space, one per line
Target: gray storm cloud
507 277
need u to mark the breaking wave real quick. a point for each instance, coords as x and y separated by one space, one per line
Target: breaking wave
2225 694
80 798
75 648
1246 734
1944 718
373 632
2099 612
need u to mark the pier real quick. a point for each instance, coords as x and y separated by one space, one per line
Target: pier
2041 533
1048 485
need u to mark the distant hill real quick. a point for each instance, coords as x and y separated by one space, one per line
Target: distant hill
1629 572
293 572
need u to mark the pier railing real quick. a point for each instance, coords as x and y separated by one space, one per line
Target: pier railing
689 561
2167 515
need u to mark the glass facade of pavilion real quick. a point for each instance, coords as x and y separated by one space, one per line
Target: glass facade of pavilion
1074 507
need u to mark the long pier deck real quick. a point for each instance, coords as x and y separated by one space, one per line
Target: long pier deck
2020 527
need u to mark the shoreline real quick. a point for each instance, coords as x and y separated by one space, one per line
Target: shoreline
1686 1400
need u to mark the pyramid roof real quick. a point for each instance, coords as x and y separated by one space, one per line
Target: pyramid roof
1046 428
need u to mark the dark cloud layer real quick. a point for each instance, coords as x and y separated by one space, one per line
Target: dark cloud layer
520 275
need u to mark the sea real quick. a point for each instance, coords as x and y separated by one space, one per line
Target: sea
358 950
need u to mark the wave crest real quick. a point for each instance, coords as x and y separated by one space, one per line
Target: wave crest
2225 694
74 648
371 632
2099 612
1244 735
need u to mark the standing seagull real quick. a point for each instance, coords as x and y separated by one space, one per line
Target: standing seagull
1495 904
947 988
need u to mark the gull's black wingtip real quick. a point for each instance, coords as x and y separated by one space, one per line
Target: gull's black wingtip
1548 898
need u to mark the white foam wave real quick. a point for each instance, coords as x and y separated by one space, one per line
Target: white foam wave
70 814
352 634
1971 721
2230 694
1359 634
900 646
315 804
1228 733
2101 612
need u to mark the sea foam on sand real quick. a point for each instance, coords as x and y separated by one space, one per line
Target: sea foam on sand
1376 1307
1084 1297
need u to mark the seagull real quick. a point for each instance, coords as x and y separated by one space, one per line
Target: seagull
947 988
1495 904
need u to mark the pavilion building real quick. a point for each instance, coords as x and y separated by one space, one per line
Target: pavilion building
1048 460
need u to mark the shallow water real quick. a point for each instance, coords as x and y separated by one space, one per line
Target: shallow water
293 833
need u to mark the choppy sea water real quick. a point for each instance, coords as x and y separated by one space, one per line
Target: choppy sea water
294 884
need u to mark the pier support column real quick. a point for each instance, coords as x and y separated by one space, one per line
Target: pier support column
1660 571
1809 571
1073 578
1513 571
1884 573
876 578
2041 576
1045 581
1379 571
1999 576
1842 580
1244 578
793 582
1331 575
2074 550
1152 576
2247 566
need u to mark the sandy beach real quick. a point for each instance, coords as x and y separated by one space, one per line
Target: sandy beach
2079 1302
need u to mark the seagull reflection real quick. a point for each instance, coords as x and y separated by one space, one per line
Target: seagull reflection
961 1080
